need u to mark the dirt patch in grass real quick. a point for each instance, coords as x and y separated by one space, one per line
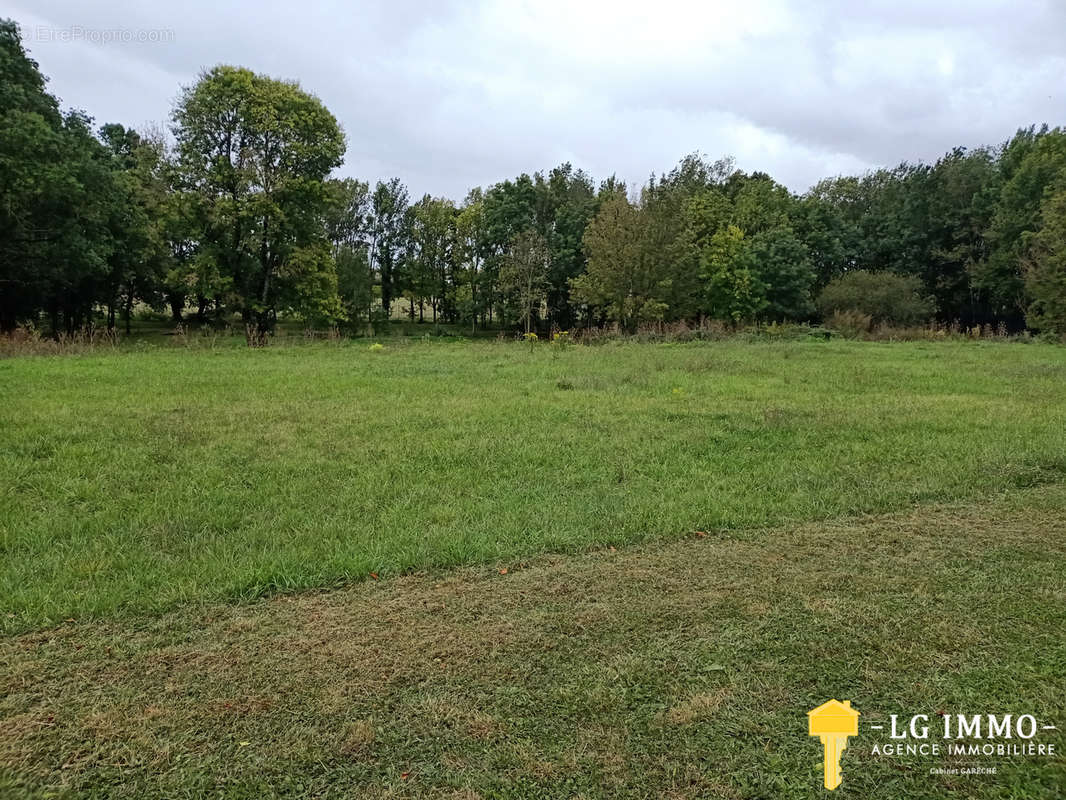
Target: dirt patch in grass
681 670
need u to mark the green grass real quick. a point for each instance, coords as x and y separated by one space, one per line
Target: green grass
671 670
136 480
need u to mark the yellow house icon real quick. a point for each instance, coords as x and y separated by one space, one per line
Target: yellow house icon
833 722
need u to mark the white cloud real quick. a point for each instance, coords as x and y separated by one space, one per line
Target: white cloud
448 95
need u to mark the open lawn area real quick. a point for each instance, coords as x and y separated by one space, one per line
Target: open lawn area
137 481
620 571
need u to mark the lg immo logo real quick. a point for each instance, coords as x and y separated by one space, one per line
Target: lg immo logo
833 722
988 737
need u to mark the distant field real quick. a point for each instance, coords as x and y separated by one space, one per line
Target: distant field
138 480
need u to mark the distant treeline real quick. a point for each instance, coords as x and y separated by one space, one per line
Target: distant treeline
237 217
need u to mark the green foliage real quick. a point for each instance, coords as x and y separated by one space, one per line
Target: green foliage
349 228
307 286
733 291
1032 163
961 191
524 276
256 152
619 281
390 238
566 202
468 253
885 297
433 235
771 274
60 201
781 262
1045 276
94 226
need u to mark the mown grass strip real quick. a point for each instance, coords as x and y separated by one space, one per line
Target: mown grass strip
679 670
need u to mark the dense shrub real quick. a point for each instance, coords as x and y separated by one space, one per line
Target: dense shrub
885 297
854 324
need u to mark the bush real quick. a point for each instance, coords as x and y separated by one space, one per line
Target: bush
887 298
853 324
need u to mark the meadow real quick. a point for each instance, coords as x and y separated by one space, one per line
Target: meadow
139 480
613 571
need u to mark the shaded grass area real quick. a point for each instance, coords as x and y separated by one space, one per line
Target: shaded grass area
137 481
679 670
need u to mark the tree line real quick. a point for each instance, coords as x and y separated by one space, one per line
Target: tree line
237 215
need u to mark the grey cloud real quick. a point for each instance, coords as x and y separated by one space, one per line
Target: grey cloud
449 95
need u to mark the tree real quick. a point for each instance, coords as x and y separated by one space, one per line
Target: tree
58 195
349 228
146 238
821 226
257 151
1031 162
432 240
524 275
774 256
733 291
566 202
390 239
468 254
617 280
510 209
1045 273
667 260
781 263
759 202
961 188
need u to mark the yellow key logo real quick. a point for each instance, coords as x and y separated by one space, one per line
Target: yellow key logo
833 722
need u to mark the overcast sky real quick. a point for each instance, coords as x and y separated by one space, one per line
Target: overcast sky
449 95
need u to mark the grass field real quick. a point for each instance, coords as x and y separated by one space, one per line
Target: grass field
138 481
673 670
882 522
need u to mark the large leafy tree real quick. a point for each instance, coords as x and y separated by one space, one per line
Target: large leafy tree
666 253
58 195
619 282
1045 273
821 226
781 262
961 189
1032 162
768 248
510 208
349 227
734 292
148 242
432 241
256 151
390 240
468 255
566 202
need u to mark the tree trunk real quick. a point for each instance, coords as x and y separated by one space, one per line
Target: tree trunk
177 306
529 301
129 311
473 299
